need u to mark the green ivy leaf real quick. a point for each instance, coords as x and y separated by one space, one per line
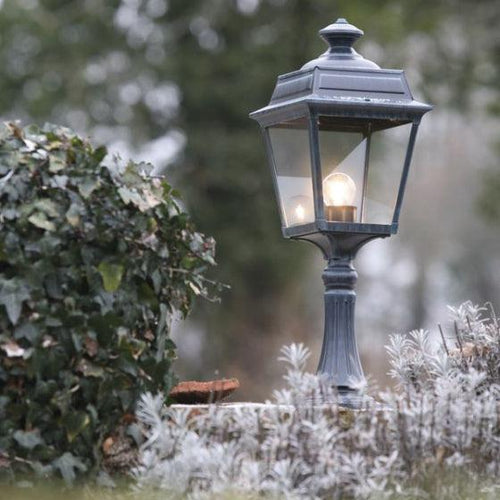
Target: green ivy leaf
57 162
75 423
39 219
127 364
10 214
127 195
67 464
28 331
48 207
13 293
111 275
3 253
90 369
136 433
99 153
146 294
130 176
59 181
73 215
87 185
29 439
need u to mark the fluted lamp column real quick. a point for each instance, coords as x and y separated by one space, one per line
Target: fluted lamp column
339 355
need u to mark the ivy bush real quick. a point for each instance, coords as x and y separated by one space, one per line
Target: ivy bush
94 260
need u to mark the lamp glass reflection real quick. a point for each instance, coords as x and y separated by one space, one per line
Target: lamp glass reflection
300 210
343 157
291 153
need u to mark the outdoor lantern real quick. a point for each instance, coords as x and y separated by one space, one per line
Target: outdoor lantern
339 135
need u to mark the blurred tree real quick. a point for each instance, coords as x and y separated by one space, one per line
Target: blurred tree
174 81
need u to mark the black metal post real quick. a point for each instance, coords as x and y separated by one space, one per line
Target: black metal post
339 359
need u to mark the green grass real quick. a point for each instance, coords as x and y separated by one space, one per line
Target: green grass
57 491
434 484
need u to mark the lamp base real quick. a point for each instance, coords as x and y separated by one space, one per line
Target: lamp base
353 399
344 398
343 213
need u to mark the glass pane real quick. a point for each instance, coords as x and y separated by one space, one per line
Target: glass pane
290 143
387 156
343 166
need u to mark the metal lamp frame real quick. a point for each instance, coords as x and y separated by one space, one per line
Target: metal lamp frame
344 86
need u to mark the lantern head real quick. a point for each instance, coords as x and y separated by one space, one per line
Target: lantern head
340 134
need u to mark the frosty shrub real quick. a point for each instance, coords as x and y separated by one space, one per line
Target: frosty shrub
443 422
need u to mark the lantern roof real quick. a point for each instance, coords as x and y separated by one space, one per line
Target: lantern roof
341 82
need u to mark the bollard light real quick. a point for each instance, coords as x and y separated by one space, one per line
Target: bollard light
339 135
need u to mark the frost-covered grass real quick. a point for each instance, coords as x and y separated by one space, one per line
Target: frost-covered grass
438 436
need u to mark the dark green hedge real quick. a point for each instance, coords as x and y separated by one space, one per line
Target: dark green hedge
94 259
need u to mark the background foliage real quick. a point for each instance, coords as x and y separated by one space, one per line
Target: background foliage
172 81
94 260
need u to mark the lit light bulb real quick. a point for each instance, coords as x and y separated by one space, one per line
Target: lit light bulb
339 190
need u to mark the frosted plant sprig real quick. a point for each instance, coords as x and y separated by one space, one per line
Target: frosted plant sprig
468 316
295 355
149 412
149 409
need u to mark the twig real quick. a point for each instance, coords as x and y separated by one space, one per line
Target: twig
444 340
493 315
470 326
457 334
